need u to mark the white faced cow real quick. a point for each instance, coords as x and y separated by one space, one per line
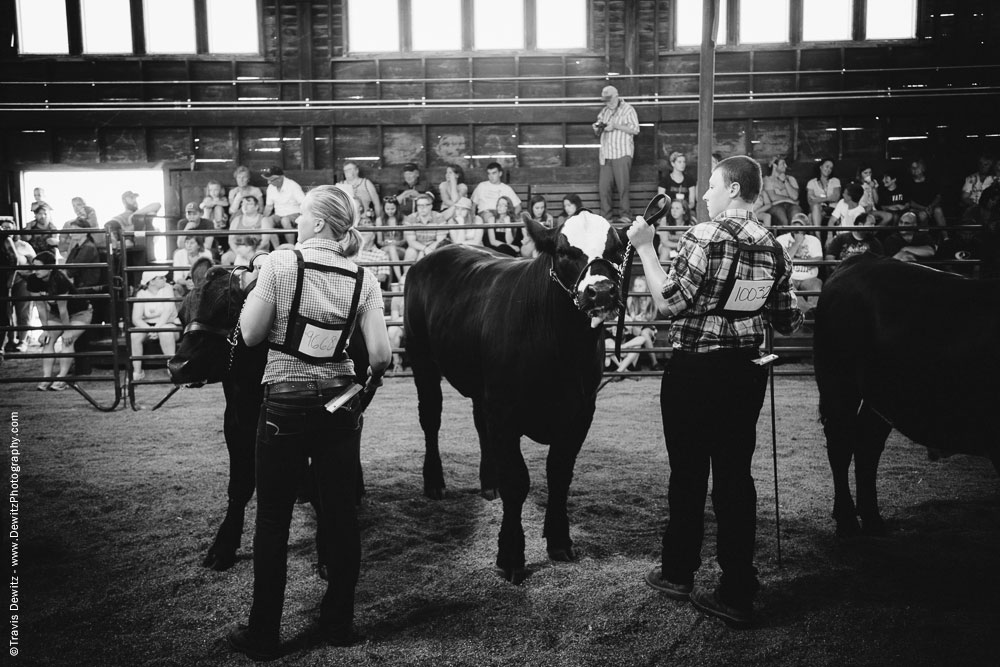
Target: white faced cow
524 340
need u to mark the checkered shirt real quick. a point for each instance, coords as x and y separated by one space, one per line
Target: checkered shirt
374 256
697 277
325 297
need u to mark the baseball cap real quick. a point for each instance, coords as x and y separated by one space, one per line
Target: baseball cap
191 206
272 171
149 275
800 218
909 215
129 193
608 92
410 166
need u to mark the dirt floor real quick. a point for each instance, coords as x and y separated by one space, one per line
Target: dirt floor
118 508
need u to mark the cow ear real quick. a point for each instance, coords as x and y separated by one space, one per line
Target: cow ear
545 239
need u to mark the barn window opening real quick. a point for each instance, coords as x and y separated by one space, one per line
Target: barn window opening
891 19
169 26
763 21
689 15
827 20
41 26
107 27
232 26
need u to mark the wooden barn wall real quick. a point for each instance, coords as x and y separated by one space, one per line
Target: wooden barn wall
304 58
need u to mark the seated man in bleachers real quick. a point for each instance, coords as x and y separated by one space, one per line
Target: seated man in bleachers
975 183
802 245
909 246
849 207
413 186
421 242
855 242
487 193
893 200
925 196
284 199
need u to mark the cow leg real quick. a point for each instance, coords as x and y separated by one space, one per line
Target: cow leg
488 484
872 433
238 425
559 471
514 484
840 428
427 377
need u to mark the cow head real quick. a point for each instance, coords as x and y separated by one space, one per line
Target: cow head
586 254
209 314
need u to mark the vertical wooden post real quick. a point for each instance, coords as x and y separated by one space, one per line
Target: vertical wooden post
706 99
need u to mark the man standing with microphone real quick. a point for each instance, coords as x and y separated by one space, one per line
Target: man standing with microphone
730 279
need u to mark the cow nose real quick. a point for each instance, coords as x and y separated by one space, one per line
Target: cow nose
590 292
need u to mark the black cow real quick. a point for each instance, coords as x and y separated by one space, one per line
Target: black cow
903 346
204 355
524 340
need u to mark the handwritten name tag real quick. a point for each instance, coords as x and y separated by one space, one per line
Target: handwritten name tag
749 295
318 342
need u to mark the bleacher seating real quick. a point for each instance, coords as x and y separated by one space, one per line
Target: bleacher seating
640 194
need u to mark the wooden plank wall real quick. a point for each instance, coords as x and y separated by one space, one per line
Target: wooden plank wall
548 142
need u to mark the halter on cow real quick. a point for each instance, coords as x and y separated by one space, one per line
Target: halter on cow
523 340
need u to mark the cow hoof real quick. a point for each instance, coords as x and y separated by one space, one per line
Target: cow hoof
848 527
515 575
490 494
435 493
873 527
562 554
219 562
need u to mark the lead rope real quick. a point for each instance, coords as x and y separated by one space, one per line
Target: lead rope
651 215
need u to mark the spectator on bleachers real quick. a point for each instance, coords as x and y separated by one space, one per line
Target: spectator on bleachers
284 200
823 192
869 186
636 337
848 208
242 189
362 188
571 206
925 195
487 194
465 216
761 208
184 258
14 252
677 184
616 126
215 205
505 239
84 216
802 245
678 216
244 247
130 200
396 338
452 188
41 232
194 222
374 257
980 240
537 211
413 186
83 250
153 314
894 200
249 220
856 241
38 194
391 241
977 182
783 191
909 245
46 283
423 242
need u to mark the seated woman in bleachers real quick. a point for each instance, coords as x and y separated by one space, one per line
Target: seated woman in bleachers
369 253
452 189
46 283
395 330
762 207
505 239
678 216
464 216
150 314
639 309
362 188
677 184
571 206
391 242
242 189
537 211
184 258
215 205
250 218
869 184
783 191
823 192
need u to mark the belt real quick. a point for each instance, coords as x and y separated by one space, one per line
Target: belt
315 386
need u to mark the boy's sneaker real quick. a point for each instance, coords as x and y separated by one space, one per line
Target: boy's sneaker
708 602
241 640
674 591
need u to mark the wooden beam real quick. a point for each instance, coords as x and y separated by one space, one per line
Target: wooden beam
706 98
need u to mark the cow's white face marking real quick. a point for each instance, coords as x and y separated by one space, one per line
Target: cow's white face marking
588 232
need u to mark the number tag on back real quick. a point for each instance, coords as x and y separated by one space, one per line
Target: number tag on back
749 295
319 342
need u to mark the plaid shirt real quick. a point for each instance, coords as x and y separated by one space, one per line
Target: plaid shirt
695 284
325 297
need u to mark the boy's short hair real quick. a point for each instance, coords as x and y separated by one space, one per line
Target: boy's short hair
495 165
746 172
856 191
